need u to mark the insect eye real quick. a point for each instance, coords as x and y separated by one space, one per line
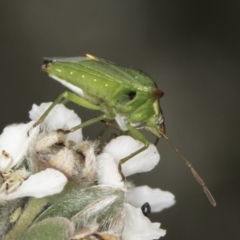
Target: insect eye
131 95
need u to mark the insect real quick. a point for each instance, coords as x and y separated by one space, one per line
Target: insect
126 95
146 209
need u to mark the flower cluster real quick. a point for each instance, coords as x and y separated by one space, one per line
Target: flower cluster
55 185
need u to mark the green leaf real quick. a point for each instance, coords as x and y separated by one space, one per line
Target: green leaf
6 209
57 228
88 199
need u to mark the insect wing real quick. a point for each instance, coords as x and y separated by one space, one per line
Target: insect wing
129 77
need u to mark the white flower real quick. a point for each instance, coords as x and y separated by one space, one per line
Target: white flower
41 184
139 227
157 198
14 144
67 156
123 146
59 117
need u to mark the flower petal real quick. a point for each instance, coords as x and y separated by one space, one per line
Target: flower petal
14 142
123 146
108 172
157 198
139 227
41 184
59 117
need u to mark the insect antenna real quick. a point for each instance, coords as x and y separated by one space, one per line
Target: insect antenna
194 172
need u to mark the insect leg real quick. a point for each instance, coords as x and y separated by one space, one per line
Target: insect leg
139 136
69 96
146 209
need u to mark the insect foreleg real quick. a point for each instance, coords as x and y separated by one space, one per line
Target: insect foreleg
139 136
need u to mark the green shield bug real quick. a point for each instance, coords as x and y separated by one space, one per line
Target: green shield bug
124 94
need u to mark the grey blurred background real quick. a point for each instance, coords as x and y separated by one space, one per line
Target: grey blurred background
190 48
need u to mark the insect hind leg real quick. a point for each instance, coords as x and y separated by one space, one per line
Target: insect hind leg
67 96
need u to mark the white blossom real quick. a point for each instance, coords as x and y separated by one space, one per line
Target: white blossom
41 184
15 142
54 157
